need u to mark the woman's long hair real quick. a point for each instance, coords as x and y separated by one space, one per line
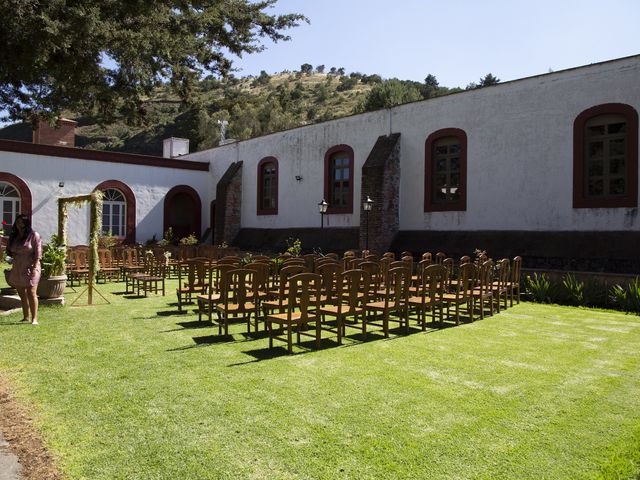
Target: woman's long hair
14 230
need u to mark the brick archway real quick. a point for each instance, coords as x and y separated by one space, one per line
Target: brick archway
131 205
183 211
23 190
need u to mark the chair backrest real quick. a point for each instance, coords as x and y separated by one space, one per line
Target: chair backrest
328 272
406 253
440 256
285 274
294 261
375 275
104 258
304 295
240 287
371 258
515 270
397 287
422 265
467 274
485 275
503 271
322 261
195 273
427 256
390 255
350 284
230 260
333 255
260 258
309 260
262 274
432 283
465 259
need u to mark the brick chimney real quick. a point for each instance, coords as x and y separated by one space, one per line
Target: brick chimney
62 135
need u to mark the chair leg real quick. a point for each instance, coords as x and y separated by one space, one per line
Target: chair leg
290 338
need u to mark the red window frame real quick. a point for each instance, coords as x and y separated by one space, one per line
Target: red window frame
328 159
459 205
259 208
580 198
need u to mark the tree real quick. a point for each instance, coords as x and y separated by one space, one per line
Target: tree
431 81
320 69
306 68
388 94
488 79
104 57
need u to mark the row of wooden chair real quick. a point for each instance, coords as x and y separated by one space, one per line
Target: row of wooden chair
301 297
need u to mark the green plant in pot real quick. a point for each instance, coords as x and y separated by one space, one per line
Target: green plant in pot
53 278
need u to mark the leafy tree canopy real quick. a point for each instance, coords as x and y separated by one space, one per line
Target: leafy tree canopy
389 93
103 57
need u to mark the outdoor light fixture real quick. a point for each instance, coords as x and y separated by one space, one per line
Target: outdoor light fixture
322 208
61 184
367 205
298 178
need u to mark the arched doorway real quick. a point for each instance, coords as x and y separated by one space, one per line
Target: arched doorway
183 212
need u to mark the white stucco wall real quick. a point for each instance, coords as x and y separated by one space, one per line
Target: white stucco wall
149 184
519 165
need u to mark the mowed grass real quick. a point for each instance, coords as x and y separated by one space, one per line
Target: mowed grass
134 390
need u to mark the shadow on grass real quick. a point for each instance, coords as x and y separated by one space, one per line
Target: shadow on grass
168 313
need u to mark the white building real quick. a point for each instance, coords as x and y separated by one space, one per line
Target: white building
545 166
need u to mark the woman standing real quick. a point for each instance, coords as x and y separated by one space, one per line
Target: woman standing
25 246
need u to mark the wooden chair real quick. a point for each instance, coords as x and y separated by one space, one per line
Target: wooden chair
514 281
108 269
207 300
154 280
440 256
278 298
429 293
427 256
396 295
348 303
499 287
132 263
482 291
389 255
78 267
328 272
462 295
238 299
261 270
132 275
192 280
300 310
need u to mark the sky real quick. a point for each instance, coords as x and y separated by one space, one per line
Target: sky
457 41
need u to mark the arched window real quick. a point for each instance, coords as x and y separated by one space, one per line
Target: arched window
114 213
9 203
605 164
268 186
338 184
446 171
119 206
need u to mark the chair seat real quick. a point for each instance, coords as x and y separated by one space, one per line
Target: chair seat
205 298
451 297
381 305
235 307
295 318
333 310
418 301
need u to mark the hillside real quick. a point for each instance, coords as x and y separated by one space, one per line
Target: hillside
253 106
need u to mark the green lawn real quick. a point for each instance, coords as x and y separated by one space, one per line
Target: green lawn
133 390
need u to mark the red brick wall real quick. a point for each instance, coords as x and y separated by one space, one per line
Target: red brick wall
62 135
381 182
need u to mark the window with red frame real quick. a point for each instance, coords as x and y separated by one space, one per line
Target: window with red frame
268 186
445 171
606 157
338 180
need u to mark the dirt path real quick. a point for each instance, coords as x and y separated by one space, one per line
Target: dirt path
22 453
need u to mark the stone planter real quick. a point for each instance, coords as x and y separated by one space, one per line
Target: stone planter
51 287
9 290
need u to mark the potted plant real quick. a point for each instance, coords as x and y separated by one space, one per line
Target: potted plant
53 279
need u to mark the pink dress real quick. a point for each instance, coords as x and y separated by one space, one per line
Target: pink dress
25 253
